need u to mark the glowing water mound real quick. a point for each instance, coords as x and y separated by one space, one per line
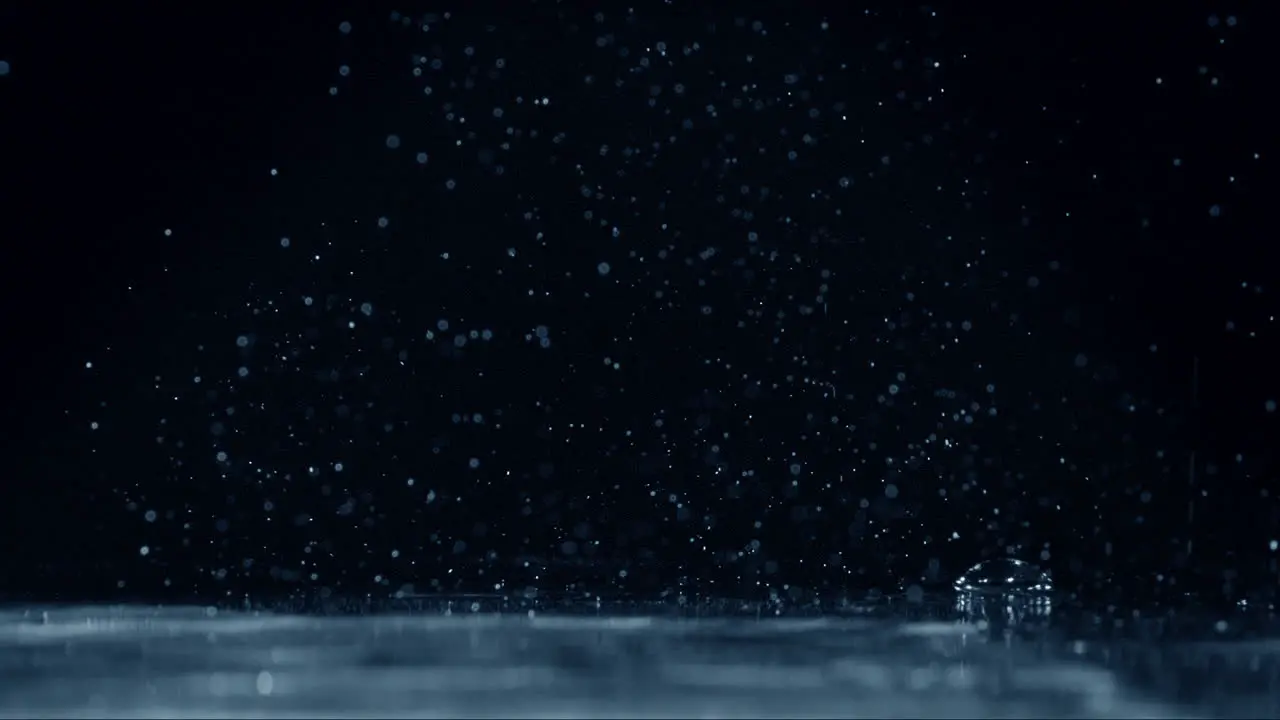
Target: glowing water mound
1004 575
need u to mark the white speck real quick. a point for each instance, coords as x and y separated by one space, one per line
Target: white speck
265 682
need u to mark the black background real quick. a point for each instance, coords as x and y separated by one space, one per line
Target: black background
1053 134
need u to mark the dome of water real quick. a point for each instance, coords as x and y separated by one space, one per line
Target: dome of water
1004 575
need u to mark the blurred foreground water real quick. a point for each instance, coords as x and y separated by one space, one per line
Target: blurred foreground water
967 655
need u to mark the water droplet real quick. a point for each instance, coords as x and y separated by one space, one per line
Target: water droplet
1004 575
915 594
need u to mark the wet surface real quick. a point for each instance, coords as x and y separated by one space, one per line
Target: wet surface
466 657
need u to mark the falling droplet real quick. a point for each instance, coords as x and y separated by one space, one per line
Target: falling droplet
1004 575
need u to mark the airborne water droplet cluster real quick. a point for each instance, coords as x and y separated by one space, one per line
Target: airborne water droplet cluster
1004 575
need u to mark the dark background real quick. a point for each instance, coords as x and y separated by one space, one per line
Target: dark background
1015 170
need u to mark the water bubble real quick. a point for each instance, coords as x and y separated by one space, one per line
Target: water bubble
1004 575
